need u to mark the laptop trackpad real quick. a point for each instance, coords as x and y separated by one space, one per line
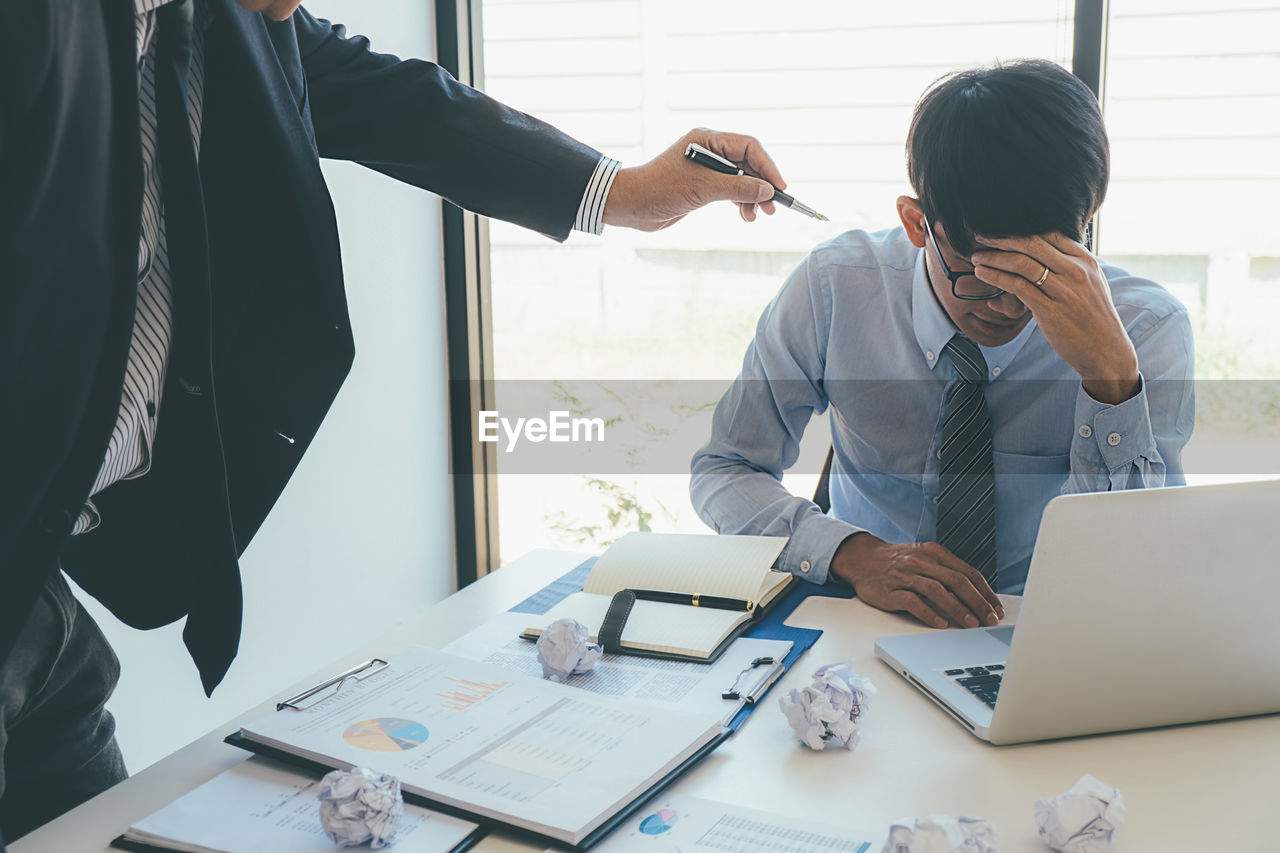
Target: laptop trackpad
1004 633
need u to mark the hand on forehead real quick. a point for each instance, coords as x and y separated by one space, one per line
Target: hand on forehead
1022 265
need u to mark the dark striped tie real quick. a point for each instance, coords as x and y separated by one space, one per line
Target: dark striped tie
966 482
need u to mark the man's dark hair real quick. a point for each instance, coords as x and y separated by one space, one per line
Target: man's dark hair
1008 151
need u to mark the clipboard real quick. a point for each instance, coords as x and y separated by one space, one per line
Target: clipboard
335 684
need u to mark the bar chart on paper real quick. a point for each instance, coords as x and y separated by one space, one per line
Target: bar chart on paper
468 693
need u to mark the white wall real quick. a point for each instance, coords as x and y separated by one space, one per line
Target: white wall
363 536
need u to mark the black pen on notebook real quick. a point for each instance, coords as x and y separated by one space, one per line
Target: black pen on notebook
711 160
695 599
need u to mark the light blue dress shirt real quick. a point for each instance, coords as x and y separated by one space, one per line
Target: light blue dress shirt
857 328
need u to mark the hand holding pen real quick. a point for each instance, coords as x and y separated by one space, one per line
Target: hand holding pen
713 161
661 192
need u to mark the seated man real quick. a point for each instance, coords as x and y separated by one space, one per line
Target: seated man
977 361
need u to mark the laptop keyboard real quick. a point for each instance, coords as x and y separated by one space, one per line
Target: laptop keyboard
982 681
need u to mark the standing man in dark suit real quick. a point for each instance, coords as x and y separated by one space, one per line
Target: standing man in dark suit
171 305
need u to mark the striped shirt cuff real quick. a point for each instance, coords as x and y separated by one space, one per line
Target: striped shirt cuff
87 520
591 211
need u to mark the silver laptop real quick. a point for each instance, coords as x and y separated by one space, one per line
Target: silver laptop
1142 608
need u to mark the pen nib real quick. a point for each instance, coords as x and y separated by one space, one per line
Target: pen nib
798 207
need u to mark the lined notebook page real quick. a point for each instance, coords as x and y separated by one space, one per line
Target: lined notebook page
732 566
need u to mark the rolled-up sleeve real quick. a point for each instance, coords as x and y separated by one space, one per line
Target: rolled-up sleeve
736 485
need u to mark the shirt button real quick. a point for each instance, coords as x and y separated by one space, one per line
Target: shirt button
1113 439
995 371
804 566
151 409
929 356
1085 430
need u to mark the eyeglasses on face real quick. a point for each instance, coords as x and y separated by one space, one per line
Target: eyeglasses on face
964 284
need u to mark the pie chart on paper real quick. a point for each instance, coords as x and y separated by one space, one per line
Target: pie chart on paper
658 822
386 734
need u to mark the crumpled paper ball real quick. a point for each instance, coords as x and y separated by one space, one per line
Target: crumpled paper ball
827 713
941 833
360 805
564 650
1083 819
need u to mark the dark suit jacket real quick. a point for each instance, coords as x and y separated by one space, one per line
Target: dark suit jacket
262 340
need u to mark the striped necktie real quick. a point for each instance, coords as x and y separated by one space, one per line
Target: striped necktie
966 482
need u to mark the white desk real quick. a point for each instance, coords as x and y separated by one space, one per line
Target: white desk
1200 787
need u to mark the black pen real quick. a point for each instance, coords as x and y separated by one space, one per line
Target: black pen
695 599
711 160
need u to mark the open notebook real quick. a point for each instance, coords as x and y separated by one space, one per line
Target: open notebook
738 567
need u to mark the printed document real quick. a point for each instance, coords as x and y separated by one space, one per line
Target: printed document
524 751
675 823
262 805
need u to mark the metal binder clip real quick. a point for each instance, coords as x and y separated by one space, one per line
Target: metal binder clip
333 685
735 690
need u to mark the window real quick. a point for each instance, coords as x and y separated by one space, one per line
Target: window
1193 108
647 330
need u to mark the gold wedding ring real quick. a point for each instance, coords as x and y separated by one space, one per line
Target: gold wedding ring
1040 281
